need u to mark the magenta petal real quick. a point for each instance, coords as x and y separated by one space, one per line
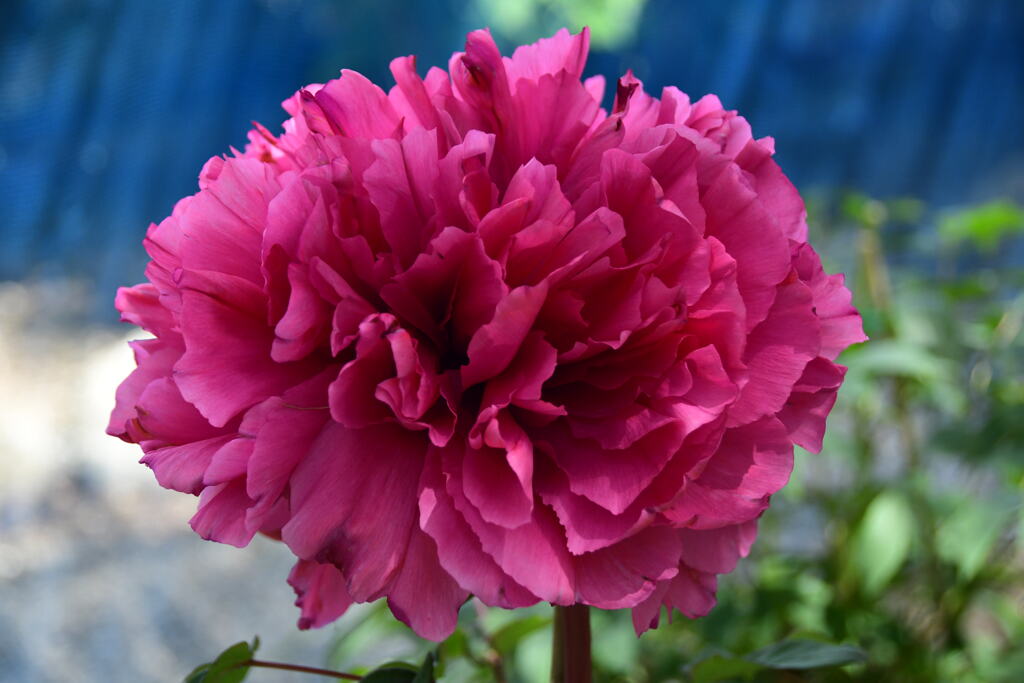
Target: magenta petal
691 592
320 593
626 573
561 52
493 487
778 350
733 215
165 416
154 358
717 551
229 462
840 323
410 96
357 108
493 347
223 384
398 183
183 467
218 240
459 549
356 511
588 526
288 429
350 394
752 462
534 555
614 478
221 514
810 403
140 305
424 596
305 322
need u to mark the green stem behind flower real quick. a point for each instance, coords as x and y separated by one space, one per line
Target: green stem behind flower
570 648
301 669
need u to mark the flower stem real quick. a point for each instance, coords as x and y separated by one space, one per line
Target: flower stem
570 648
302 669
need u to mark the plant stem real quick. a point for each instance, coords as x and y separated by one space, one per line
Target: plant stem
570 647
301 669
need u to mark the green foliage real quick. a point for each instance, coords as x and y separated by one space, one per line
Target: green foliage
984 226
400 672
612 22
800 653
511 634
228 667
881 543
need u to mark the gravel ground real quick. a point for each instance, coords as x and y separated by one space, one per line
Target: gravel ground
100 577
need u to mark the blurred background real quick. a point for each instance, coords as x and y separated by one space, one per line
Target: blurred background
900 120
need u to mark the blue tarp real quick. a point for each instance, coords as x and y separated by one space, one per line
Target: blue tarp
108 108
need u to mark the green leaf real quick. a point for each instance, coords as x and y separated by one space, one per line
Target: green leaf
508 636
226 668
198 674
882 540
805 654
393 672
965 538
893 358
454 646
984 226
722 668
426 672
868 212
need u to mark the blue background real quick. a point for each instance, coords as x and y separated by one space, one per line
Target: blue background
108 108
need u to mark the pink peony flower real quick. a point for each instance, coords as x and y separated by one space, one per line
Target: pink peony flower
476 335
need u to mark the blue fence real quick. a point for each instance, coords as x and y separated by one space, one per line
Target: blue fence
108 108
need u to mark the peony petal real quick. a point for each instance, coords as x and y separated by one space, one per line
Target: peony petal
353 510
398 183
227 365
717 551
424 596
777 352
459 549
691 592
751 463
154 359
320 593
496 344
221 514
626 573
357 108
140 305
810 403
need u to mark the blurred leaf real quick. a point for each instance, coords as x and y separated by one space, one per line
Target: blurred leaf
394 672
868 212
722 668
906 209
806 654
225 668
612 22
985 226
455 645
508 636
882 540
889 357
966 537
972 286
426 672
615 645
